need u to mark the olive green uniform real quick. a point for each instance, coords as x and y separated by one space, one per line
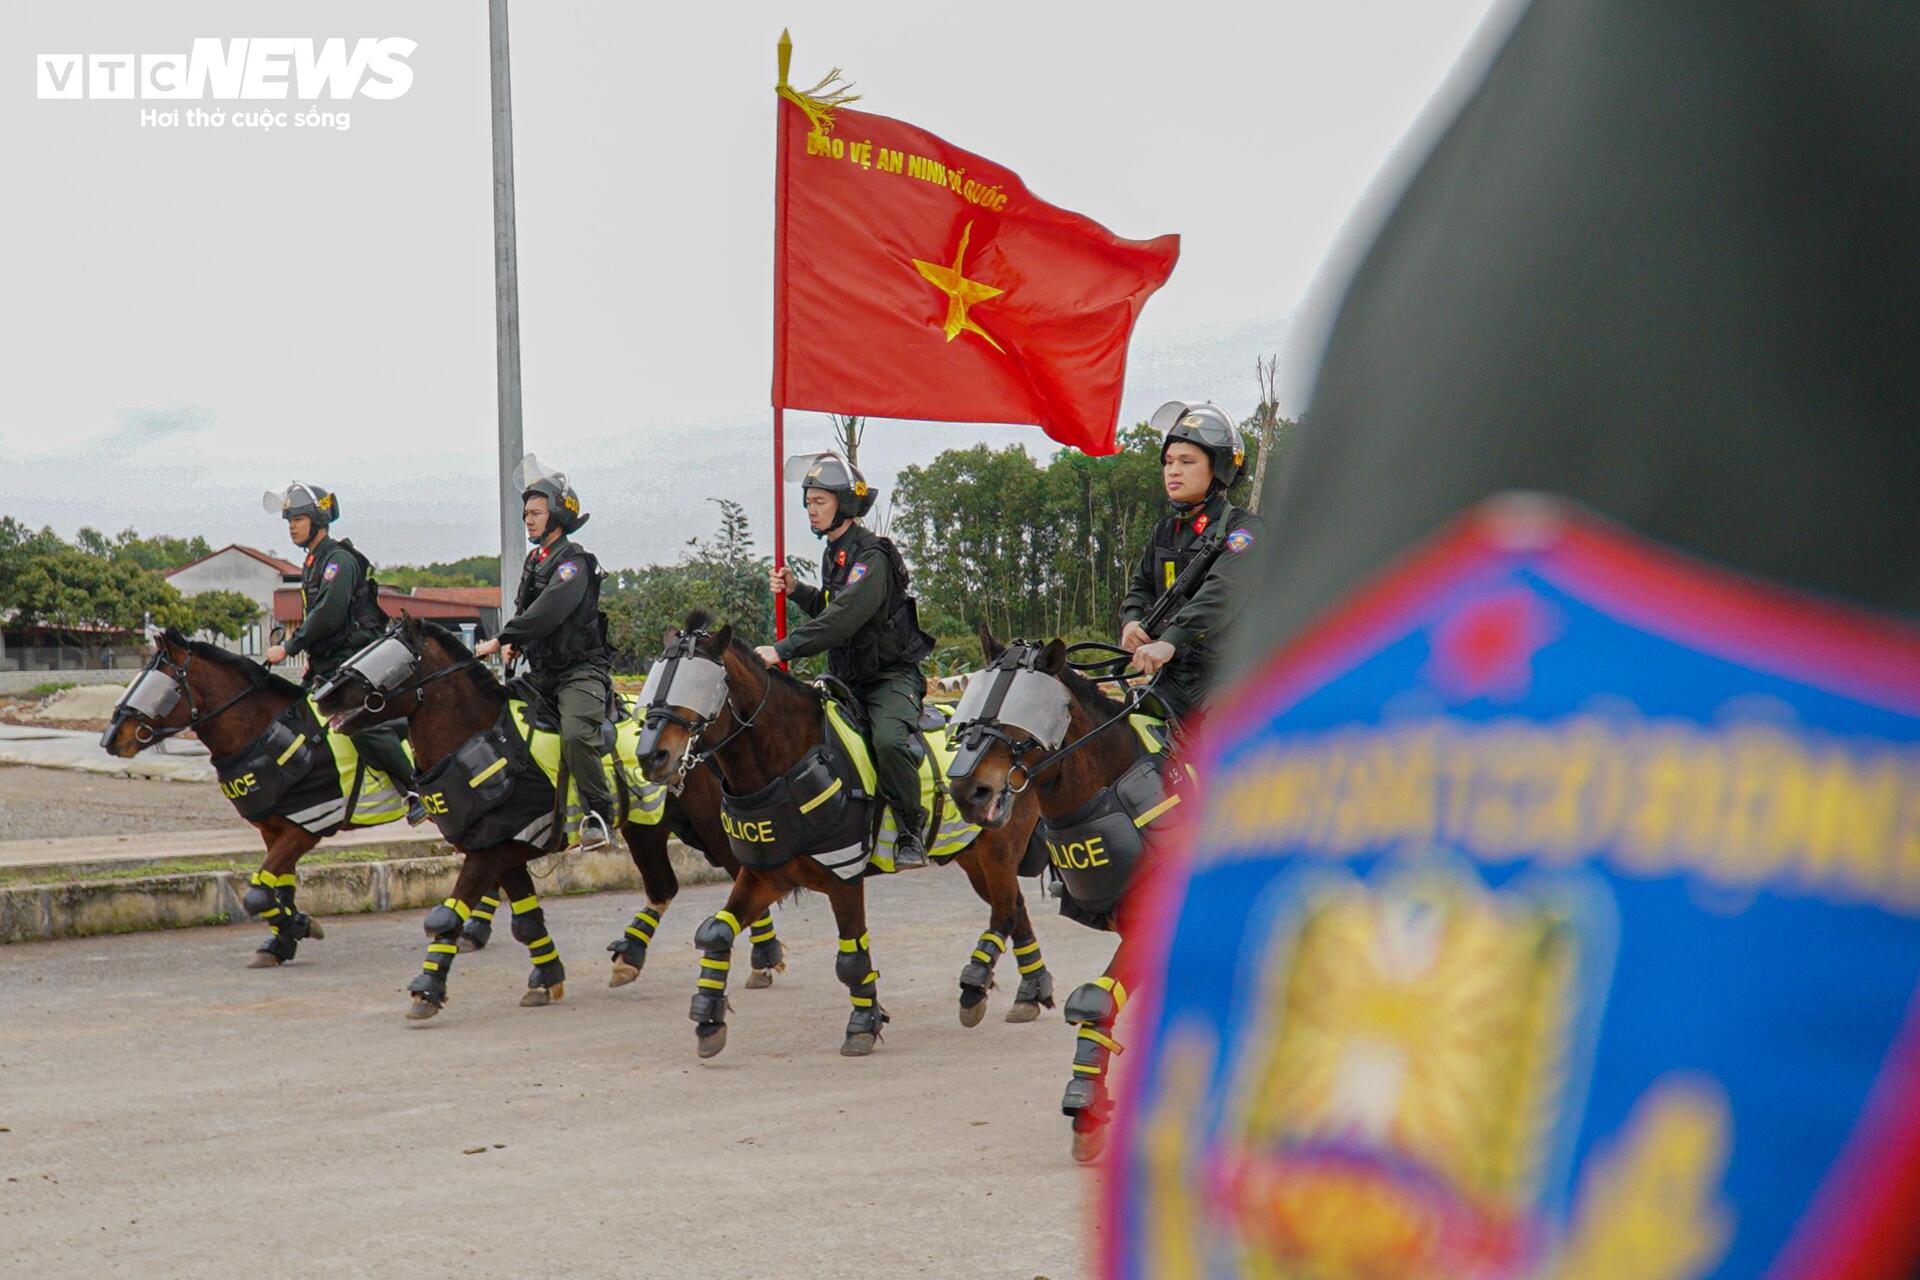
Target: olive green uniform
1199 627
854 619
341 617
559 627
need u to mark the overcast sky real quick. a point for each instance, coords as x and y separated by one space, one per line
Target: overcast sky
195 315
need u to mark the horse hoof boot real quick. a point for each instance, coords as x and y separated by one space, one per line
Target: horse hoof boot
760 979
1024 1012
710 1038
466 942
421 1009
265 960
314 930
973 1006
256 899
859 1044
538 996
623 973
1088 1143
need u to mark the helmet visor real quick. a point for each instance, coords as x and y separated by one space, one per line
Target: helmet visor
1033 702
152 695
696 685
531 472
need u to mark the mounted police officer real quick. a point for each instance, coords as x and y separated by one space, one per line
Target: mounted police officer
341 616
558 628
1197 555
862 618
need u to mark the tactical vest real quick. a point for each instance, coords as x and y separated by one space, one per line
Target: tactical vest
582 635
365 621
892 636
1170 560
1097 848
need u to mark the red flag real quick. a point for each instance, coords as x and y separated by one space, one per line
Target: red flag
916 280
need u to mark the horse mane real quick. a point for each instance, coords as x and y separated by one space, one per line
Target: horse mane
246 668
701 620
1091 695
458 648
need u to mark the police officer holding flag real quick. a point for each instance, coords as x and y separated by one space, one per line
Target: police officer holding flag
1194 575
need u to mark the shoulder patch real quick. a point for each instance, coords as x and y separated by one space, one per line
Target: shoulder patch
567 570
1239 540
858 572
327 574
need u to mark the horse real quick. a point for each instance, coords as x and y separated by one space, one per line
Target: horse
229 702
426 675
714 704
1066 741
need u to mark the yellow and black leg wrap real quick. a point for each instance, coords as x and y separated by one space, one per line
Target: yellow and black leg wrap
530 930
715 938
1092 1007
854 967
768 954
478 930
976 978
270 898
1036 983
631 946
443 925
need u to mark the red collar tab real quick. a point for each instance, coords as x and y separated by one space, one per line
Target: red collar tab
841 559
543 551
1200 524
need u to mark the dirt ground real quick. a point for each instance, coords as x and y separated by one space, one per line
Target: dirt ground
37 803
166 1112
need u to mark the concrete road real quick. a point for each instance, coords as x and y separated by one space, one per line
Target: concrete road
168 1112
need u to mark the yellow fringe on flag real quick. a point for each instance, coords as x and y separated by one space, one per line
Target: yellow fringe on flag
819 101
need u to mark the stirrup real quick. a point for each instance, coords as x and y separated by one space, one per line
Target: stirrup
594 833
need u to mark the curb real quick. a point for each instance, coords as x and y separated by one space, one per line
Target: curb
83 908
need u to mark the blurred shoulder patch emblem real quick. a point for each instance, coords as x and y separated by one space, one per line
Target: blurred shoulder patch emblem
566 571
856 573
1554 915
327 574
1239 540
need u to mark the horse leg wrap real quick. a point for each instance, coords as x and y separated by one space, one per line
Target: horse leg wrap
767 951
978 972
530 930
431 983
260 898
1092 1007
479 927
1036 984
715 938
854 967
632 945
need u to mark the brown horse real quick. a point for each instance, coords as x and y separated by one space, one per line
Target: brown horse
424 674
1062 740
228 701
712 702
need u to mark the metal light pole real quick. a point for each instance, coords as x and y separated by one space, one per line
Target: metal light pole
506 308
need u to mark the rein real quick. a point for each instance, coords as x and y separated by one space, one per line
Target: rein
691 760
1110 668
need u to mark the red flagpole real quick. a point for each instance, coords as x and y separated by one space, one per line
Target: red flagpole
785 49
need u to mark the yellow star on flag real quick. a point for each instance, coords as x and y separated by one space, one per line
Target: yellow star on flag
961 293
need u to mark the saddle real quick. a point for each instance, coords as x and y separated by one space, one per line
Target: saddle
544 716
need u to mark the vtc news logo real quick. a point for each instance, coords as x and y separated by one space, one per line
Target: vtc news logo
246 67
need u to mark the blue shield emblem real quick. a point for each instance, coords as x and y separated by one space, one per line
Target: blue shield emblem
1554 911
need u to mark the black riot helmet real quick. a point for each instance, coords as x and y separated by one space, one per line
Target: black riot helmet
563 504
1209 428
830 472
322 506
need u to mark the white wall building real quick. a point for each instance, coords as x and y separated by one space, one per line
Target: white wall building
251 572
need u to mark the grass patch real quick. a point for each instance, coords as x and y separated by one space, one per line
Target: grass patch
50 687
321 857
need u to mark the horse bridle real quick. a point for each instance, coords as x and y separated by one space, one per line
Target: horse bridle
1024 655
146 733
659 711
379 697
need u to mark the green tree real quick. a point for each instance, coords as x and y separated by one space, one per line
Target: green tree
157 553
472 571
226 613
721 575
